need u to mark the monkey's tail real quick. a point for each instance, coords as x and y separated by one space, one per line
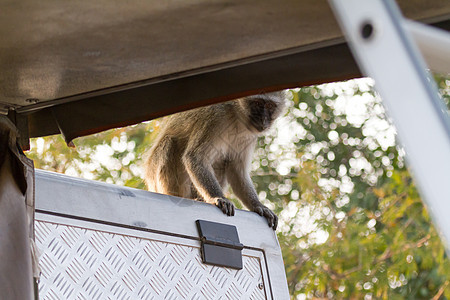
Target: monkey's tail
160 159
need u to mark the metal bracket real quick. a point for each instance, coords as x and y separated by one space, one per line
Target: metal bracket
220 244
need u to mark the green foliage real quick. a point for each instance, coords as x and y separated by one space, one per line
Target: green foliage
352 225
443 84
377 254
113 156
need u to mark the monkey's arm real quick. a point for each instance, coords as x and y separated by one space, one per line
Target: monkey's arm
205 182
243 188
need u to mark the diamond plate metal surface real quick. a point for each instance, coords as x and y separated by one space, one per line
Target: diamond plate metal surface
83 263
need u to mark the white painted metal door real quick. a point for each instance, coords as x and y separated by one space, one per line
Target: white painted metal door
96 255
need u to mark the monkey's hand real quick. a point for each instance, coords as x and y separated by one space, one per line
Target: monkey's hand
263 211
225 205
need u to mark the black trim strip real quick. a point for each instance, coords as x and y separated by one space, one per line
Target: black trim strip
119 108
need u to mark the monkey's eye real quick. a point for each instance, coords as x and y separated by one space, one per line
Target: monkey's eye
270 106
259 105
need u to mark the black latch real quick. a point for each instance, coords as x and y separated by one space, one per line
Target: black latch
220 244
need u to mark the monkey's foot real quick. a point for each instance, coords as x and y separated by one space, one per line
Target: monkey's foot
263 211
225 205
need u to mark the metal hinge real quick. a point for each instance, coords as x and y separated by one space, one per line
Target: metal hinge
220 244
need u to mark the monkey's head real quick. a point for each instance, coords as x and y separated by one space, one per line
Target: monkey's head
261 110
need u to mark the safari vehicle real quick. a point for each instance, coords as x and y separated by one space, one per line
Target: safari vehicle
77 68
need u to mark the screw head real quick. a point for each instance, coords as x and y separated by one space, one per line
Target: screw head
261 285
367 30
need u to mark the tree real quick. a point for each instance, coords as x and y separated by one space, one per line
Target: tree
354 186
352 224
113 156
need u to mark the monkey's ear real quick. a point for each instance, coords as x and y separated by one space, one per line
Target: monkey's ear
278 96
283 95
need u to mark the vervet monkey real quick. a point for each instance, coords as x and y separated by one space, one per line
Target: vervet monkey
198 152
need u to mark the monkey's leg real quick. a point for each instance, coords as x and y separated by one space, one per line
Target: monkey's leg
206 183
196 195
243 188
220 174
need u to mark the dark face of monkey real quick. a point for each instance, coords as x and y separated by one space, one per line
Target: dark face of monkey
261 113
263 109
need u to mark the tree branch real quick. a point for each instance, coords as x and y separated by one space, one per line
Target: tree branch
441 291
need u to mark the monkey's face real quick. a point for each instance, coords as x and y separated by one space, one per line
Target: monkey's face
261 113
263 109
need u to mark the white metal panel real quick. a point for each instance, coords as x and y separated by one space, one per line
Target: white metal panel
140 212
83 260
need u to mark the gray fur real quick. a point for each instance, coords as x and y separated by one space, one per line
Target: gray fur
199 152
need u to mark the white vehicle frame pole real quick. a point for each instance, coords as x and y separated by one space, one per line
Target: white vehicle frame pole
433 43
380 40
